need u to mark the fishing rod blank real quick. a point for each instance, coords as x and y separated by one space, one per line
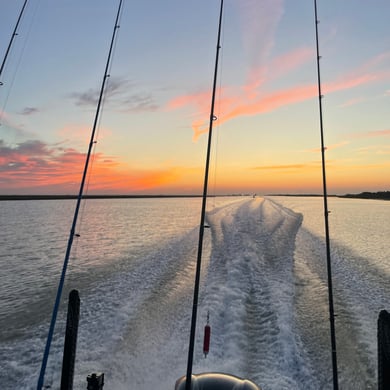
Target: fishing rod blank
14 34
326 215
79 198
203 213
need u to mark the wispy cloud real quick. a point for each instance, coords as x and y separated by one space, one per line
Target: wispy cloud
352 102
282 167
353 80
375 149
246 102
197 99
251 99
121 93
139 102
114 88
377 133
259 21
29 111
354 136
372 134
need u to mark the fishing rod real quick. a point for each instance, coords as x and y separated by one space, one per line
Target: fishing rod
326 215
203 213
78 203
12 39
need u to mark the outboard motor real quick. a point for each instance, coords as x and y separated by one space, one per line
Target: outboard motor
216 381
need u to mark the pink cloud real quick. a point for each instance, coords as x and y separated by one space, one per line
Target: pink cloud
379 133
35 167
374 134
34 163
379 150
276 68
247 104
352 80
291 60
352 102
198 99
248 100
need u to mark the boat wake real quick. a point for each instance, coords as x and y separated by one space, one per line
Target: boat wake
248 289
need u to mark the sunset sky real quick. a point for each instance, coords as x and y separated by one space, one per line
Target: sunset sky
153 129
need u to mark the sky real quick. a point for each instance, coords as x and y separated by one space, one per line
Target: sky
152 132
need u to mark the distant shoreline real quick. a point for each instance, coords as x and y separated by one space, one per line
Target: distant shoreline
381 195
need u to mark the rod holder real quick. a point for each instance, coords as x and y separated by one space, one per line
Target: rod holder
95 381
384 350
72 325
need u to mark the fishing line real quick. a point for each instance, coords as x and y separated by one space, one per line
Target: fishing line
103 102
14 34
20 56
219 125
203 213
104 99
77 209
95 141
326 214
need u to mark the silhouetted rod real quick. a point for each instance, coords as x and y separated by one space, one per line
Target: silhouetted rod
326 220
203 214
72 326
14 34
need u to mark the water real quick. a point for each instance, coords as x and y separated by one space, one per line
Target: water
263 281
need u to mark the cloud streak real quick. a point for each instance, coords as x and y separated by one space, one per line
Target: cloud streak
29 111
374 134
251 100
259 21
119 92
282 167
